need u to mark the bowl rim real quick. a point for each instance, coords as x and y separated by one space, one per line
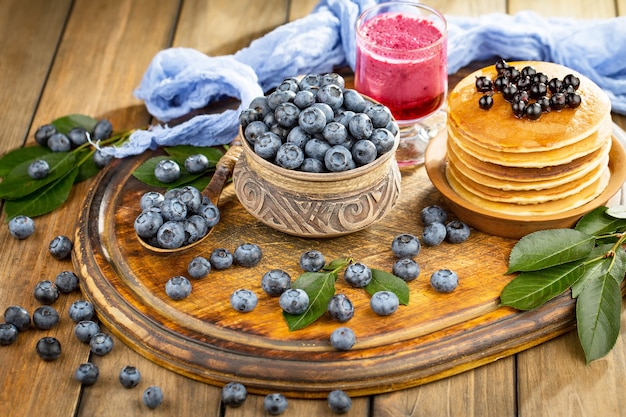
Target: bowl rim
436 161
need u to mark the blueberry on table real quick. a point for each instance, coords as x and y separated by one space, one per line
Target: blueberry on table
178 287
234 394
48 348
8 334
444 280
434 234
17 316
45 317
199 267
247 254
21 227
38 169
243 300
384 303
152 397
66 281
81 310
340 308
312 261
339 402
406 268
294 301
129 376
46 292
342 338
275 282
221 258
433 213
87 373
60 247
101 344
358 275
457 231
275 404
167 171
405 245
85 329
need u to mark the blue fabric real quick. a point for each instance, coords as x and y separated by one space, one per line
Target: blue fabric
179 80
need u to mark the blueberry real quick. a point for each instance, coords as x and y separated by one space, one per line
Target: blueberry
178 287
259 104
275 282
378 113
312 261
289 156
405 245
59 143
254 130
43 133
353 101
152 397
48 348
338 158
167 171
275 404
312 120
344 117
275 98
45 317
60 247
294 301
171 235
311 81
195 228
38 169
361 126
298 136
383 140
485 102
303 99
340 308
384 303
17 316
329 113
77 136
8 334
444 280
330 94
316 148
191 197
358 275
81 310
102 158
333 78
248 116
290 84
46 292
21 226
101 344
243 300
363 152
267 145
432 214
147 224
312 165
87 373
102 130
151 199
221 258
342 338
457 231
129 376
434 234
85 329
335 133
211 214
406 268
247 254
339 402
199 267
196 163
287 114
234 394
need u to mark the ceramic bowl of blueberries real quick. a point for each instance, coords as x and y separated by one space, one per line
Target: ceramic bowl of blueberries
318 158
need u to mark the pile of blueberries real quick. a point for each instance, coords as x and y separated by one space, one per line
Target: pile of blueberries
530 93
315 124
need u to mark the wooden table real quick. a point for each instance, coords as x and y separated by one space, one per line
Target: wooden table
87 56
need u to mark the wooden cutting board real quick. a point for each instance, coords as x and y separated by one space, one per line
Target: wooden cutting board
435 336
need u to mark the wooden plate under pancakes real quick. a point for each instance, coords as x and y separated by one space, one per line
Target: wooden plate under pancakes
509 225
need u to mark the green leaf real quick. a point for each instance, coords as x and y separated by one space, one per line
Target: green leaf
67 123
337 264
88 168
598 310
598 222
45 200
384 281
533 288
547 248
18 183
320 287
145 174
17 156
181 152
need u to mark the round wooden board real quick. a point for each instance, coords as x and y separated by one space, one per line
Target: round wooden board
436 335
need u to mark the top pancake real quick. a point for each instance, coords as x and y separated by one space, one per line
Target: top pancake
499 130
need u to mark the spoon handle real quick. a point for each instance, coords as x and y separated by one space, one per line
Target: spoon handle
223 170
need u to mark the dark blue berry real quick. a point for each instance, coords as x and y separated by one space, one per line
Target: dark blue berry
234 394
338 158
287 114
485 102
199 267
267 145
210 213
316 148
101 159
196 164
275 282
38 169
339 402
304 99
290 84
289 156
221 258
87 373
330 94
335 133
81 310
152 397
129 376
433 213
342 338
43 133
405 245
384 303
48 348
178 287
167 171
358 275
312 261
8 334
247 254
312 165
333 78
294 301
45 317
85 329
250 115
444 280
59 143
457 231
277 97
298 136
17 316
311 81
340 308
46 292
101 344
147 224
259 105
77 136
353 101
312 120
243 300
102 130
20 227
171 235
379 114
406 268
254 130
275 404
382 139
434 234
363 152
533 111
361 126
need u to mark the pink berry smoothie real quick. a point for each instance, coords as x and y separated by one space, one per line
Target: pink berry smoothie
401 62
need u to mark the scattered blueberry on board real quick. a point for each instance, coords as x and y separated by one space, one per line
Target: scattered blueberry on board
178 287
340 308
384 303
234 394
87 373
243 300
444 280
129 376
21 227
85 330
152 397
275 404
342 338
48 348
339 402
45 317
101 344
344 130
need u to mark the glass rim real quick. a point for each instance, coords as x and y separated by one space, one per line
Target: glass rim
416 4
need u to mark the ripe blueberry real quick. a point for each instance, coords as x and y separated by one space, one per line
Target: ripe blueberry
358 275
243 300
434 234
340 308
81 310
294 301
38 169
48 348
342 338
275 404
444 280
405 245
46 292
8 334
17 316
85 329
101 344
275 282
312 261
339 402
196 164
167 171
129 376
60 247
433 213
45 317
87 373
178 287
384 303
457 231
406 268
102 130
247 254
199 267
234 394
21 227
66 281
152 397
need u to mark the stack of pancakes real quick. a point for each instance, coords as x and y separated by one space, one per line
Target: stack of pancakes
528 167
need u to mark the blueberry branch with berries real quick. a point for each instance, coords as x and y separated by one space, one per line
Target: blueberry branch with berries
530 93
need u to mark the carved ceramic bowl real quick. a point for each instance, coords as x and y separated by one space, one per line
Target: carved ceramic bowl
316 205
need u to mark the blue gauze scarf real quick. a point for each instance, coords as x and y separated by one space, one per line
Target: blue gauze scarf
180 80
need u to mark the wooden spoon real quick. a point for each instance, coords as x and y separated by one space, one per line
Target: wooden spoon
213 190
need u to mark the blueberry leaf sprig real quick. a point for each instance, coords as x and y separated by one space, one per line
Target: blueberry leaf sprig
30 197
320 287
589 260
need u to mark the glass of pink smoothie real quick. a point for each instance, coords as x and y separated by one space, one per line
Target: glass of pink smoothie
401 61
